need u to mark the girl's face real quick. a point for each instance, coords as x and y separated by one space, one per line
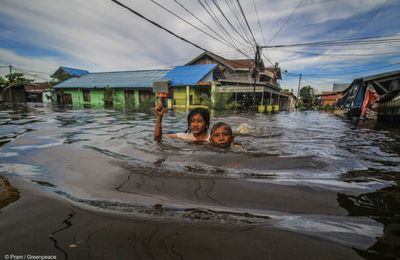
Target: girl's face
197 124
221 137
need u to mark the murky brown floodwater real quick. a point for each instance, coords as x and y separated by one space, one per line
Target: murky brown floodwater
305 172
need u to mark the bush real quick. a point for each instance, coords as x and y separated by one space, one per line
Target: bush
222 101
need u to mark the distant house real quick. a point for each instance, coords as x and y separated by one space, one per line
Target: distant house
120 87
14 94
235 76
34 91
287 101
378 93
65 72
189 84
330 98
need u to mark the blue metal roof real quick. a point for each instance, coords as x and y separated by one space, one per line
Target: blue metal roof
189 75
118 79
74 72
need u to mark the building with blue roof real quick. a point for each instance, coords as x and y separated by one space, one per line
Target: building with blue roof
190 83
70 72
109 88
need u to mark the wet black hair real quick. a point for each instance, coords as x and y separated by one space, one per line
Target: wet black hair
198 111
222 124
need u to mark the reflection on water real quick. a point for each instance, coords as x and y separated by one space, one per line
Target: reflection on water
307 172
384 207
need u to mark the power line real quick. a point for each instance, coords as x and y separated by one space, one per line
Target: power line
262 34
174 14
372 17
355 41
286 22
27 72
229 22
198 19
217 22
247 23
258 21
239 19
364 25
211 13
159 26
345 54
350 73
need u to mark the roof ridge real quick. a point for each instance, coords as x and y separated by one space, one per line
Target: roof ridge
117 71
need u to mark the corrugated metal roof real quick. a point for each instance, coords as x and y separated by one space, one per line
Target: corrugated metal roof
189 75
75 72
381 75
339 87
118 79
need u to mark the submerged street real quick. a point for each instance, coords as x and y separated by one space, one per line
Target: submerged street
89 183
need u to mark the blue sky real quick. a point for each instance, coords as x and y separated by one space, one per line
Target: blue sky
97 35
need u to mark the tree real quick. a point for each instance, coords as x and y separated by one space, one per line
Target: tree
57 78
17 80
307 96
13 80
3 83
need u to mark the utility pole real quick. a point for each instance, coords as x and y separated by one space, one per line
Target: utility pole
9 87
254 74
298 91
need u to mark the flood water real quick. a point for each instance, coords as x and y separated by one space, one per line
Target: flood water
305 172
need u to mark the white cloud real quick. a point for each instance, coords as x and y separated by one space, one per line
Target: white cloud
101 36
42 66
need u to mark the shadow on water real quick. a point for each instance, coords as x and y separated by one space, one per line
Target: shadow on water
384 207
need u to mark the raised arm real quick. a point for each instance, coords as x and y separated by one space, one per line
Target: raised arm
159 111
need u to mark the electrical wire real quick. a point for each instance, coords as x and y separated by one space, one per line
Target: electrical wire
218 23
174 14
354 41
239 19
26 72
229 22
258 21
247 23
159 26
348 73
286 22
198 19
363 26
346 54
261 31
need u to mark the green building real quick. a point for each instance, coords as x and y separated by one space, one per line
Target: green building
190 84
120 88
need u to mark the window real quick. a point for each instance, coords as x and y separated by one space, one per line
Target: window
86 95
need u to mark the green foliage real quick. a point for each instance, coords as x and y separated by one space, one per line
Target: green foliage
16 80
222 101
3 82
129 103
108 96
329 108
307 96
147 104
59 78
286 90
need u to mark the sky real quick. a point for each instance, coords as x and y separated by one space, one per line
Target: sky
38 36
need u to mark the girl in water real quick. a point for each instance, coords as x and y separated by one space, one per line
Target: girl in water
198 124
